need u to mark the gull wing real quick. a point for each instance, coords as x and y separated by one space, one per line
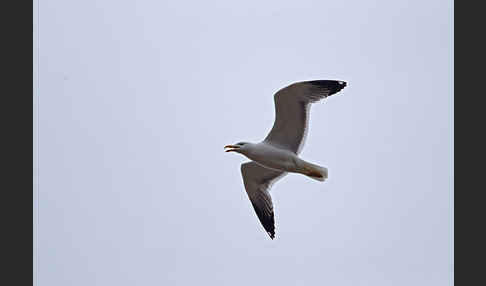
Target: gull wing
292 105
258 181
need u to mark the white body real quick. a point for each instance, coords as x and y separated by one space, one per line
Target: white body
275 158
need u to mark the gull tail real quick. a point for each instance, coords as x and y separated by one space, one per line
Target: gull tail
315 172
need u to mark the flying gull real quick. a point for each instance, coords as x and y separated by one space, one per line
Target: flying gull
277 154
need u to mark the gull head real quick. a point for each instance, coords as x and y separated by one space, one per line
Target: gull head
240 147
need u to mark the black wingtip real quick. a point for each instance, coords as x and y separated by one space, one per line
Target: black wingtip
334 85
271 234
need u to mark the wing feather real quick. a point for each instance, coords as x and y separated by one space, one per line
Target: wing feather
292 105
258 181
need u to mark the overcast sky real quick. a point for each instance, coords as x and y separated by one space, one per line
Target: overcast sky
136 100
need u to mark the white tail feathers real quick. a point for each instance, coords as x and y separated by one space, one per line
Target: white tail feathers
315 172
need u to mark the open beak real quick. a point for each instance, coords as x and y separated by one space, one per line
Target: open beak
231 148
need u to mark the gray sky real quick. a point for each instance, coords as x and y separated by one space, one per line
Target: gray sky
138 98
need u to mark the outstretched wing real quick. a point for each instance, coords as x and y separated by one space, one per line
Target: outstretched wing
292 105
258 180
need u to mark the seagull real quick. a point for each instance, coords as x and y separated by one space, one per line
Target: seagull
277 154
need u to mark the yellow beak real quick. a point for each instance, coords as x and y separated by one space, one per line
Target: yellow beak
231 148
